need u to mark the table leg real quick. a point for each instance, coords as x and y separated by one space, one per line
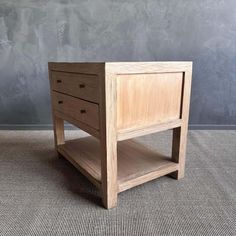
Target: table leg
59 134
179 150
109 173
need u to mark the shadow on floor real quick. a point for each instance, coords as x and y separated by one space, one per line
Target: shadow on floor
73 180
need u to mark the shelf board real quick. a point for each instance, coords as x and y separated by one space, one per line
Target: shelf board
136 163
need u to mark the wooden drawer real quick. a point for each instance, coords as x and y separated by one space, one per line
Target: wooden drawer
77 109
83 86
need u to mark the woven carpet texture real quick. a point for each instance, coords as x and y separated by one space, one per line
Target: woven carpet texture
41 194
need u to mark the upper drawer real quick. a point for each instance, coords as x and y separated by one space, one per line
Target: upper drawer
77 109
78 85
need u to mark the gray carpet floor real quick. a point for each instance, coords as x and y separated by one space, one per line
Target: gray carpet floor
43 195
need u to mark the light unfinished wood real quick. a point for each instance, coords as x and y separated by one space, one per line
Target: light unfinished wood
89 68
131 99
58 122
59 134
86 112
95 68
163 167
134 132
108 140
77 123
180 134
119 68
148 99
82 156
136 163
83 86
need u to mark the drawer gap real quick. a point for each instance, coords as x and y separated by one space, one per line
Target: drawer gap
76 97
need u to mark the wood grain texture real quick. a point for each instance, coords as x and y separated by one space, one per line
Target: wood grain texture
131 100
148 67
147 99
136 163
180 134
134 132
58 123
84 158
91 68
78 85
59 134
108 139
78 109
77 123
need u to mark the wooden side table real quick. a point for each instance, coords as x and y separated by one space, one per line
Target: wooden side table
115 102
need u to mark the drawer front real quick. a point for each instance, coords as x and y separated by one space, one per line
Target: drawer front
77 109
77 85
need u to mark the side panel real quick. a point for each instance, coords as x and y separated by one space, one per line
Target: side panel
147 99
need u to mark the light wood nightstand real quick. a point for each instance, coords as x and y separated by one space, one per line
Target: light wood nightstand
115 102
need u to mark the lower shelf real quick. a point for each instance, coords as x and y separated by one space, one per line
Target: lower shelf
136 163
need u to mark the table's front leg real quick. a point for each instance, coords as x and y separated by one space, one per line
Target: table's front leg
109 172
108 139
59 134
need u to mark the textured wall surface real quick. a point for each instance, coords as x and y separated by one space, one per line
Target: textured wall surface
35 32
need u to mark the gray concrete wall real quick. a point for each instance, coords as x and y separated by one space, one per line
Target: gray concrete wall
35 32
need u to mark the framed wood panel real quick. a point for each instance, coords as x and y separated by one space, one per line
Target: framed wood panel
147 99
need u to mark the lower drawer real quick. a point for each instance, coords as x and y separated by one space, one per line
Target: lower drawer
77 109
